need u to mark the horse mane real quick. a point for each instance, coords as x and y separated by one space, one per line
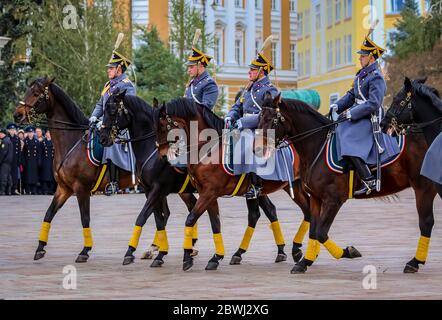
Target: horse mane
185 108
302 107
430 93
140 107
71 108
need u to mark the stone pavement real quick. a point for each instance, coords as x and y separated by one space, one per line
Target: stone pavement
386 233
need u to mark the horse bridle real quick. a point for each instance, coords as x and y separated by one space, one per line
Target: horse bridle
404 104
121 109
171 125
277 121
43 96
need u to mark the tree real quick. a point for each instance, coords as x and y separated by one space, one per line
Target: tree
432 25
408 37
14 23
73 41
160 73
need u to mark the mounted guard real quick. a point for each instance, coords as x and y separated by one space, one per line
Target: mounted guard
359 140
118 155
244 114
201 87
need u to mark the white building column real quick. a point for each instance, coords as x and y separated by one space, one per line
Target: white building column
250 31
210 24
379 32
229 39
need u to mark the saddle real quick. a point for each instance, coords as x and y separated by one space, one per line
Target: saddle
342 166
94 148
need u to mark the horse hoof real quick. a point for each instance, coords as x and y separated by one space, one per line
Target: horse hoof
297 255
157 263
187 265
39 254
128 260
410 269
148 255
194 253
353 253
212 265
298 269
236 260
281 257
82 258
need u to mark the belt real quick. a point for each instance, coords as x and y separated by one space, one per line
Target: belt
359 101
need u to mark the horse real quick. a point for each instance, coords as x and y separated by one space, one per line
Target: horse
416 107
72 171
294 120
160 179
210 179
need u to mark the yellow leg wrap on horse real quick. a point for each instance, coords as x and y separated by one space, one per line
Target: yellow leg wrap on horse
188 232
44 233
246 239
195 231
277 233
318 248
310 254
135 236
422 248
334 249
219 244
87 234
303 228
162 237
156 241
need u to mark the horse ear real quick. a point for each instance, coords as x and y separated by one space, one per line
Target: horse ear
155 102
407 84
422 80
268 96
52 80
277 100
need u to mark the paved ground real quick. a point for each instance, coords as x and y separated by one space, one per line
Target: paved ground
385 233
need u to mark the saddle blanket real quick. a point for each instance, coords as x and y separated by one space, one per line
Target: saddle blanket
94 148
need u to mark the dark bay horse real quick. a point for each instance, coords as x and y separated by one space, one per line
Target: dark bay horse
210 179
72 171
328 191
416 107
161 179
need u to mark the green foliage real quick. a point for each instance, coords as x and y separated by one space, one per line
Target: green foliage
415 33
160 73
74 44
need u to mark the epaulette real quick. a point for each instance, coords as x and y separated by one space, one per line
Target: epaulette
126 80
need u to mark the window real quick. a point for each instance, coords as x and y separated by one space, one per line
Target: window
347 49
238 3
217 2
318 60
274 54
238 51
348 8
300 25
217 49
334 97
307 22
330 54
300 64
338 51
307 63
329 13
292 56
338 10
292 6
257 4
396 6
274 5
318 16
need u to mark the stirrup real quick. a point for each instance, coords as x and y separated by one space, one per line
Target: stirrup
253 192
111 188
369 186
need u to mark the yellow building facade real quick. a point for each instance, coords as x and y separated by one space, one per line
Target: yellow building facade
330 33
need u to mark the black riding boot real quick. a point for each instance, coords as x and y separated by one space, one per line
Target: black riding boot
112 187
365 175
255 188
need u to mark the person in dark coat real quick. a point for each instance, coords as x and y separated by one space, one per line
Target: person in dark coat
6 157
31 160
46 170
15 166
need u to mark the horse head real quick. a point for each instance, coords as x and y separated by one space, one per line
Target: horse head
38 99
115 117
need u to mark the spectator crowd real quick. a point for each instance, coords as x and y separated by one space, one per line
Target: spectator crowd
26 161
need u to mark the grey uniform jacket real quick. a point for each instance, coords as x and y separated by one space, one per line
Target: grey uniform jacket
203 90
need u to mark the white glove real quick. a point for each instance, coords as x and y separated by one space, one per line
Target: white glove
92 119
99 124
239 124
334 107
